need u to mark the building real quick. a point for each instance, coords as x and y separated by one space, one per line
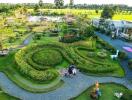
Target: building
119 28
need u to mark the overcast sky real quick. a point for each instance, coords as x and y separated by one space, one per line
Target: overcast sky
127 2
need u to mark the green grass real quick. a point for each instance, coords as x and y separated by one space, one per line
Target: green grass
107 91
118 73
47 57
4 96
30 85
16 43
7 61
64 64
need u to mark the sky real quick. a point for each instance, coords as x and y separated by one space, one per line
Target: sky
127 2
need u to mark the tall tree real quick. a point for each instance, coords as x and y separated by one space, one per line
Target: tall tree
59 3
71 2
40 3
107 13
36 8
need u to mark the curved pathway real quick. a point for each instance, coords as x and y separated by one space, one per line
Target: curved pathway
119 44
72 87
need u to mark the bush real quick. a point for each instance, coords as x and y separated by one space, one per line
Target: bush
130 63
107 46
47 57
102 54
91 54
127 95
43 73
70 39
53 34
87 64
11 39
37 36
122 55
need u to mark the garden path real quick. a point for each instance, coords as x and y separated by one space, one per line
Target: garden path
119 44
72 87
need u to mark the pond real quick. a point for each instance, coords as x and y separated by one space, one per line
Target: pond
47 18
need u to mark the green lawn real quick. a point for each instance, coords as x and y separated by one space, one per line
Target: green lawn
7 61
107 91
4 96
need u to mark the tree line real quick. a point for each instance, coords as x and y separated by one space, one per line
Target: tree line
6 7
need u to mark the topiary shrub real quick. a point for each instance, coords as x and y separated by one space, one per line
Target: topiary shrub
47 57
122 55
102 54
130 63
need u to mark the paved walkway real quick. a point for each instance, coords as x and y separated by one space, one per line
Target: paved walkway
72 87
119 44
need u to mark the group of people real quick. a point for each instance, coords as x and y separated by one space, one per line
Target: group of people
71 70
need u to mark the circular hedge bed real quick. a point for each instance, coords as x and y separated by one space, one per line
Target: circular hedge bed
47 57
38 61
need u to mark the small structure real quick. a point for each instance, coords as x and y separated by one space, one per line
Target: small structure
69 18
96 91
119 28
95 22
115 56
4 52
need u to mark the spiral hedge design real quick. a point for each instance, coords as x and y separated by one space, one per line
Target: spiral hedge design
33 63
38 61
88 64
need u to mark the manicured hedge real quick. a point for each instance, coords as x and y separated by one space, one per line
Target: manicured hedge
122 55
36 71
90 65
101 54
130 63
106 45
47 57
127 95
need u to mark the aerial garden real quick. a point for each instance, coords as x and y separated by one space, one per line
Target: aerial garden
39 45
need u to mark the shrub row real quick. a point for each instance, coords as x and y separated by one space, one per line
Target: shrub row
130 63
90 65
107 45
25 68
28 67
